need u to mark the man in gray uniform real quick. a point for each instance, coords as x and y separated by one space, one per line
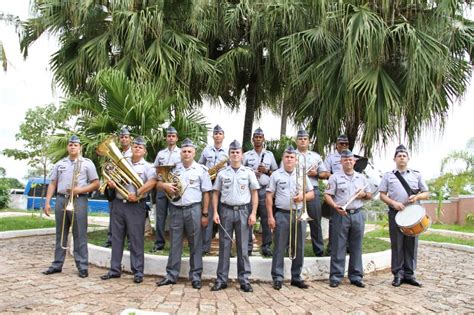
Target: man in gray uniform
237 186
315 169
263 164
210 156
129 216
333 165
392 192
126 149
168 156
288 192
188 215
345 193
62 183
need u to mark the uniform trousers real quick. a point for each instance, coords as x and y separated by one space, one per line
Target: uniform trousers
281 236
234 220
314 211
161 214
404 250
263 214
79 232
208 231
185 220
347 230
128 219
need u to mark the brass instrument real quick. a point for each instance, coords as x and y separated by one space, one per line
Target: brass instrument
167 176
70 202
117 168
217 167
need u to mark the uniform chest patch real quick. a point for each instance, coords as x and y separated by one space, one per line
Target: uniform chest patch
227 180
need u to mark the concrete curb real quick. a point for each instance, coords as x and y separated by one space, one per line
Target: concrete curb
463 235
26 233
465 248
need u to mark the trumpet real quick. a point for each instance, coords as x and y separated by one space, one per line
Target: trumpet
70 203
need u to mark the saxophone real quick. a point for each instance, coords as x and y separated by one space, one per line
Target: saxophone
217 167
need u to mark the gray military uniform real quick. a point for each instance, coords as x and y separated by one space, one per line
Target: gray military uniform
129 219
404 248
185 218
62 174
210 156
284 187
253 160
235 188
349 228
164 157
314 206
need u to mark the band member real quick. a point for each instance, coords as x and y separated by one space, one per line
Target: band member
63 184
237 186
333 165
167 156
129 216
392 192
126 149
210 156
348 220
287 190
263 163
315 169
187 215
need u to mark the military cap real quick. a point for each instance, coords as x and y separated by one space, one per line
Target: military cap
139 140
187 143
342 139
346 154
235 145
171 130
400 148
74 139
302 133
124 131
217 128
258 132
289 149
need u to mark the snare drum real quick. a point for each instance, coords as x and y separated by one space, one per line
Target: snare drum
413 220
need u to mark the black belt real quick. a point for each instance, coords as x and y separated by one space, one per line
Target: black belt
67 195
352 211
127 201
283 210
235 208
188 206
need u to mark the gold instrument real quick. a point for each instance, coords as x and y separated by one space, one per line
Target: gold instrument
217 167
70 202
167 176
117 168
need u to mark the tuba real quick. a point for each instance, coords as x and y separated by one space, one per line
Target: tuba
168 176
216 168
117 168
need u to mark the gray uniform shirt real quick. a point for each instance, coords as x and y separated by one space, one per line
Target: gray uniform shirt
145 170
167 157
253 160
391 185
195 179
312 159
127 154
210 155
235 186
333 163
63 171
343 187
284 187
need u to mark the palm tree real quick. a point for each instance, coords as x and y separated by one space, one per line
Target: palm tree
7 19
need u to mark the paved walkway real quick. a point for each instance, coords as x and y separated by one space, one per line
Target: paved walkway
447 275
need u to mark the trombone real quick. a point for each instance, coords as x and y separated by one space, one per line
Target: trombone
71 200
303 216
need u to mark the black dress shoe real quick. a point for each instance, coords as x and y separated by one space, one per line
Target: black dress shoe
412 282
358 283
219 286
158 247
137 279
246 287
107 244
299 283
108 276
51 270
196 284
277 285
165 281
397 281
83 273
333 284
249 253
267 252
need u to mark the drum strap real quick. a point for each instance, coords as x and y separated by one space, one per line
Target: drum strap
404 183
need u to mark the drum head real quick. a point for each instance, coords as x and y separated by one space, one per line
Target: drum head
410 215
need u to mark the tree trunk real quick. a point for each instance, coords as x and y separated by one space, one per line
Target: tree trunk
250 105
284 118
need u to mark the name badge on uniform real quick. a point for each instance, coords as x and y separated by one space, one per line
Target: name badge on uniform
227 180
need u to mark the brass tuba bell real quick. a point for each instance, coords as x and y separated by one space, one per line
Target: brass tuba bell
168 176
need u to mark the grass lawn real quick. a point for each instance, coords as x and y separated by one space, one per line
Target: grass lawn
383 232
24 223
468 228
